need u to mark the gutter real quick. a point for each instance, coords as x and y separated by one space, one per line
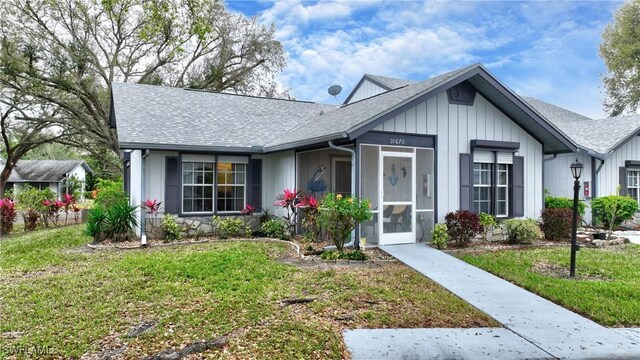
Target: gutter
351 243
551 158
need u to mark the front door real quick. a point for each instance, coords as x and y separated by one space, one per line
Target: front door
397 197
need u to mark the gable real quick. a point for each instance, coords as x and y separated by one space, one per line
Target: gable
365 89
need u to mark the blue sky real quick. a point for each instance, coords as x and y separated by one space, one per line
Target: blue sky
547 50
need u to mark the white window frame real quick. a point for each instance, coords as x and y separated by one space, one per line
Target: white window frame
234 185
212 185
504 186
481 185
635 173
334 161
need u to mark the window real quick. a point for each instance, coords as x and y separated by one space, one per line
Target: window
491 177
231 187
482 187
633 184
39 186
197 187
502 193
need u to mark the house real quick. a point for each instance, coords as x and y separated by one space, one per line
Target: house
56 175
418 150
608 148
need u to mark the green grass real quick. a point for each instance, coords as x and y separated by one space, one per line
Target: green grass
73 301
607 288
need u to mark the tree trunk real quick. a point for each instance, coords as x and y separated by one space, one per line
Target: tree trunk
4 175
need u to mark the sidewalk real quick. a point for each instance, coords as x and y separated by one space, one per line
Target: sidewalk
550 329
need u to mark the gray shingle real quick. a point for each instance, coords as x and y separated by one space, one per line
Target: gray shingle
42 170
597 135
147 114
391 83
342 119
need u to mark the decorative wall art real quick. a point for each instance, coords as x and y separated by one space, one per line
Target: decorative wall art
316 184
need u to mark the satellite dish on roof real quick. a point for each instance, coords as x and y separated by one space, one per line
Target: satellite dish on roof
334 90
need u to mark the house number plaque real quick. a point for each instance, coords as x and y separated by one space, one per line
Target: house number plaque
397 141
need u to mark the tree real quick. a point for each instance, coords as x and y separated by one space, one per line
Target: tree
67 53
25 124
620 50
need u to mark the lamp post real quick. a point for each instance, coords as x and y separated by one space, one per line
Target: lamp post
576 171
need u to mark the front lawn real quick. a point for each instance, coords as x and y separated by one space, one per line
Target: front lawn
58 295
607 288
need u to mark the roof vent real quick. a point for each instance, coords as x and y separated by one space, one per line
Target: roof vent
321 112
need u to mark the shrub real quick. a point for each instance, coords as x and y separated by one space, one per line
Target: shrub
561 202
613 210
339 216
121 220
488 222
348 255
310 221
109 193
275 228
556 223
51 211
440 236
96 220
521 231
462 225
30 201
229 227
7 216
266 216
172 231
289 200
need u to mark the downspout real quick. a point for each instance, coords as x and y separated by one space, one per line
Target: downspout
353 186
143 235
551 158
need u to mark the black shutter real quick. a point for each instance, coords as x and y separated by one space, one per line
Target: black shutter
127 177
623 181
518 186
466 182
254 192
171 186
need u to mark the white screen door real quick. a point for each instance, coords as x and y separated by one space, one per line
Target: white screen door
397 197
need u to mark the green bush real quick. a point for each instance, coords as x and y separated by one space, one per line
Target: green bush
275 228
560 202
613 210
109 193
230 227
121 220
338 216
522 231
172 232
488 222
96 223
31 204
556 223
343 255
440 236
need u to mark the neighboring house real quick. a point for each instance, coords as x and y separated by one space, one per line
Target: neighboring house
418 150
608 148
52 174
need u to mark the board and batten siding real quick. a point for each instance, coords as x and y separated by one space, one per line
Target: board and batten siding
366 90
559 181
455 126
278 173
609 174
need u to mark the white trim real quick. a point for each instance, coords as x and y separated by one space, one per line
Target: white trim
404 237
233 159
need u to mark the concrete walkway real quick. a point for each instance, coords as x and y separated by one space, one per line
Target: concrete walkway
550 330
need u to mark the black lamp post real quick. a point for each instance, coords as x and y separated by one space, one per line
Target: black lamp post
576 171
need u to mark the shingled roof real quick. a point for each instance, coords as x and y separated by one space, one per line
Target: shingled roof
159 117
596 136
389 82
156 117
44 170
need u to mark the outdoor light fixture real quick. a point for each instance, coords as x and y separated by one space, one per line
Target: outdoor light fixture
576 171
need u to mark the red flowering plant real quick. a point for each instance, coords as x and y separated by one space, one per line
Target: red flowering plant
67 201
8 216
310 205
289 200
51 211
152 207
